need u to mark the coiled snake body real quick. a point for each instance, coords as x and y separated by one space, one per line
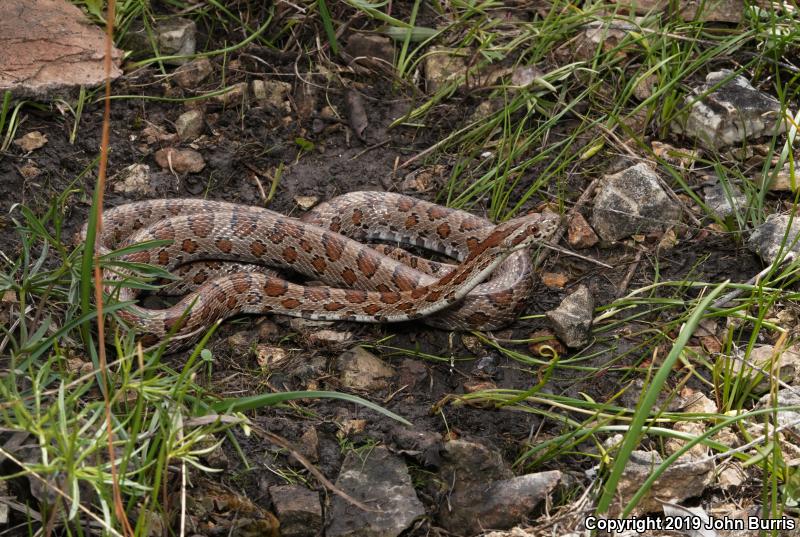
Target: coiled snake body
218 249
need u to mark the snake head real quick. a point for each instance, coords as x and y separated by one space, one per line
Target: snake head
524 231
516 234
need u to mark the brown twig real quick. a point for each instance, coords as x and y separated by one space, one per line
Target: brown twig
626 281
119 507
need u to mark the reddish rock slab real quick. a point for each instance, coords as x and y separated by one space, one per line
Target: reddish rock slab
50 48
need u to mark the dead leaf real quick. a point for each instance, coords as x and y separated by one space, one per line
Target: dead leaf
31 141
554 280
306 202
546 339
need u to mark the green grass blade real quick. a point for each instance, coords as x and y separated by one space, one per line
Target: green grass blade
268 399
651 396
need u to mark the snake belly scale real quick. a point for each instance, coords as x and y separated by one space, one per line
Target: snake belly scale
220 250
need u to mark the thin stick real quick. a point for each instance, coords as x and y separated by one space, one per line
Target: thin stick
626 281
119 508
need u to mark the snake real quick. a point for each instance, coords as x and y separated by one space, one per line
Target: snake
223 254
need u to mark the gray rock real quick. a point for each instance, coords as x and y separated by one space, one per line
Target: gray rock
632 397
299 510
189 125
3 506
502 505
442 66
370 46
732 113
380 479
423 446
232 95
698 10
632 201
485 494
784 398
686 478
272 93
191 74
473 463
174 36
724 200
759 363
784 180
771 238
133 180
308 446
361 370
572 319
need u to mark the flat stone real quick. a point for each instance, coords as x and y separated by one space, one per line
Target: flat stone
299 510
572 319
271 357
712 10
132 180
484 492
232 96
370 46
696 403
601 34
174 36
189 125
630 202
785 180
308 446
694 428
501 505
691 10
192 73
685 478
274 93
362 370
442 65
735 111
180 160
771 238
50 49
760 363
525 75
473 463
332 339
423 446
731 476
380 479
724 200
